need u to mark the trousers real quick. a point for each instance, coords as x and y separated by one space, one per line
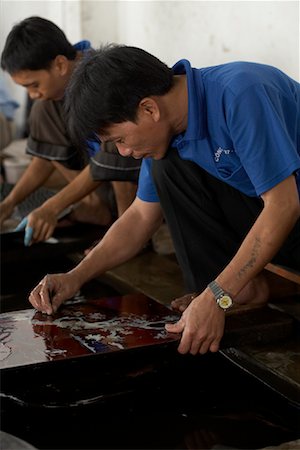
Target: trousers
208 220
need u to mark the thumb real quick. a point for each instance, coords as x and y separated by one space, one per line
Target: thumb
175 327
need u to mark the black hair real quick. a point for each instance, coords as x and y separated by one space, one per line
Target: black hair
33 44
107 86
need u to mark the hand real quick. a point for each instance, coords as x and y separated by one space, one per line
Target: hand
6 211
201 324
52 291
181 303
42 221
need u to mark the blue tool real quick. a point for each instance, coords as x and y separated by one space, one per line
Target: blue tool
28 231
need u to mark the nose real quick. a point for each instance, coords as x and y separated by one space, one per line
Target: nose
34 95
123 150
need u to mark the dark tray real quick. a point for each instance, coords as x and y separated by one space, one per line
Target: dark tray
107 342
68 239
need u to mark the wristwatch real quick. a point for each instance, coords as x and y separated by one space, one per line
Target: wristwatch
223 299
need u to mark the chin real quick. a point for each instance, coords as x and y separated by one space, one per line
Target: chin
55 98
158 157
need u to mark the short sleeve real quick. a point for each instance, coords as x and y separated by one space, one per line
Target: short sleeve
146 188
263 127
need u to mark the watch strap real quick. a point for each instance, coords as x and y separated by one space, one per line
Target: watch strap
216 289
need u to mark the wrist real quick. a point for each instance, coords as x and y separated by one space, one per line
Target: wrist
75 280
222 298
52 207
79 276
9 202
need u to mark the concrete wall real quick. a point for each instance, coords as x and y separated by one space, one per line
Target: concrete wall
206 32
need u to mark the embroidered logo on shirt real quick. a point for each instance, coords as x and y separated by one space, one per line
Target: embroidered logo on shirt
219 152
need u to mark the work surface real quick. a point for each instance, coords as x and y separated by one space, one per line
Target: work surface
147 396
261 340
81 328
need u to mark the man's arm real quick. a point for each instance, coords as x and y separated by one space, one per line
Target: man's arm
35 176
279 215
123 240
202 323
43 220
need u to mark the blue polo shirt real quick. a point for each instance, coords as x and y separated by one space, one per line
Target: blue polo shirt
243 127
82 46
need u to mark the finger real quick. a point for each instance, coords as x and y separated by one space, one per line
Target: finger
22 224
195 346
215 345
210 344
186 342
45 294
56 302
177 327
178 305
33 298
40 232
28 236
184 346
204 346
49 233
181 303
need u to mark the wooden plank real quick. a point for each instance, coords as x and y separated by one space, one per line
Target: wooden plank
285 272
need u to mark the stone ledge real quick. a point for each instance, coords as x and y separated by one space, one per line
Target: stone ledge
157 276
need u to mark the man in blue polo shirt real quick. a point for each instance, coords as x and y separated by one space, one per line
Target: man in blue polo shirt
221 163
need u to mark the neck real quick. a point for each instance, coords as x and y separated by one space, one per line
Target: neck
71 65
177 105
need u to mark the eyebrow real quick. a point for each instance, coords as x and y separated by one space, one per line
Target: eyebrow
109 138
28 84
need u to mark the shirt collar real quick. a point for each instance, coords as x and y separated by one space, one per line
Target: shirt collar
196 128
82 45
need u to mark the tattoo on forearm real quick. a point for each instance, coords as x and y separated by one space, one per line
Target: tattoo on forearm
253 257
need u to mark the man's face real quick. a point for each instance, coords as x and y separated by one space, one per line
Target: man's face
144 138
43 84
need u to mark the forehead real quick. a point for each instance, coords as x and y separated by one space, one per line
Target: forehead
117 130
26 77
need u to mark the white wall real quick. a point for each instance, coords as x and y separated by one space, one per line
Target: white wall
206 32
66 14
100 21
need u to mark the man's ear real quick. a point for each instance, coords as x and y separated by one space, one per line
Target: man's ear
61 64
149 106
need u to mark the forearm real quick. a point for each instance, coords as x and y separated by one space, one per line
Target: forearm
263 241
81 186
35 176
123 240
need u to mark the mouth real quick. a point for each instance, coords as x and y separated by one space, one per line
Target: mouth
139 155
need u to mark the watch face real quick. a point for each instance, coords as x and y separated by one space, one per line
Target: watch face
225 302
